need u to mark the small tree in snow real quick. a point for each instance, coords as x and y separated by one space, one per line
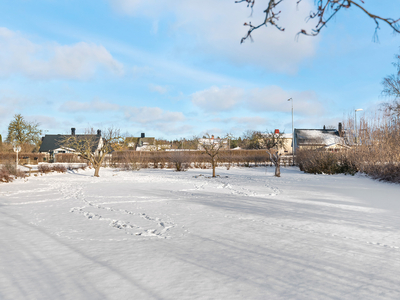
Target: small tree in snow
272 141
212 146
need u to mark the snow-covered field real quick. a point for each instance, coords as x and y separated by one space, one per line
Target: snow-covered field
159 234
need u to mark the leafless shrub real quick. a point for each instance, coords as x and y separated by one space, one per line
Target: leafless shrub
131 160
8 172
158 159
325 162
44 169
180 160
5 175
59 168
387 172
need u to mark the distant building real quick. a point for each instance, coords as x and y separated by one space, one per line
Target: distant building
141 143
217 142
52 144
323 139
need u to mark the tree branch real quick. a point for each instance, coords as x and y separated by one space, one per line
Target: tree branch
325 11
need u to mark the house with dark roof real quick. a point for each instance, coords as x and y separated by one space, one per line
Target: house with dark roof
52 144
323 139
141 143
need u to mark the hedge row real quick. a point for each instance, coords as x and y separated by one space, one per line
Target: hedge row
161 159
33 158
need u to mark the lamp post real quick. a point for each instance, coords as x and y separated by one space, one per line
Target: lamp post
355 123
291 99
16 149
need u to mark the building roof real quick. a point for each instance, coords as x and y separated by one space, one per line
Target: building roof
317 137
140 140
50 142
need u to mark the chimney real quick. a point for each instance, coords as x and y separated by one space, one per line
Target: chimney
98 132
142 135
340 129
72 131
276 131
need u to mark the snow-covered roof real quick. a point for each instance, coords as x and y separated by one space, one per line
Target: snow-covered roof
318 136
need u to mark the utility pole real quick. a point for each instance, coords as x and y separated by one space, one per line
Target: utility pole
291 99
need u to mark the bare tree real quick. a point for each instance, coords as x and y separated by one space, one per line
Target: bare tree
272 142
391 89
324 11
93 146
252 140
265 140
212 146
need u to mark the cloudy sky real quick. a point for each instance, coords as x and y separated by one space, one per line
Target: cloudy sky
176 68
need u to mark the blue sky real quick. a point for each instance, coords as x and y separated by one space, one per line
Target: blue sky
175 69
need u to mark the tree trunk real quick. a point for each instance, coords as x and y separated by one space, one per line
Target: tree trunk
96 171
278 168
213 167
276 160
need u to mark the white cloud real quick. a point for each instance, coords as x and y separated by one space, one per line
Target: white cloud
92 106
46 122
274 98
82 60
239 125
155 119
158 88
152 115
217 99
127 6
267 99
248 121
216 28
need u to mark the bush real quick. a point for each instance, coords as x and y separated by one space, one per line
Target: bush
44 169
5 175
389 172
180 160
8 172
127 160
324 162
59 168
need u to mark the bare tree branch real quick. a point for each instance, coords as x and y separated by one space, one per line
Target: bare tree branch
325 11
391 89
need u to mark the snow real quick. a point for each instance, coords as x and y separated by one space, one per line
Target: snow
159 234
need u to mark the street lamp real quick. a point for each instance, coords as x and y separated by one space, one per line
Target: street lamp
291 99
16 149
355 123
